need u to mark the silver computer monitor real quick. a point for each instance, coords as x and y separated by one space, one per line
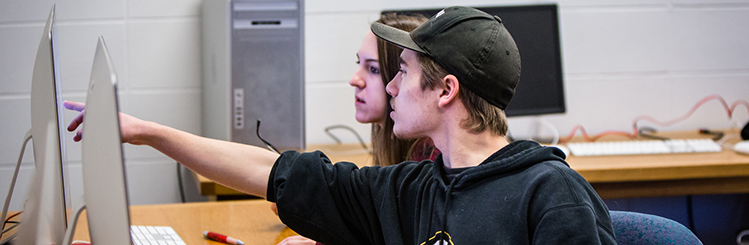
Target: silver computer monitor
104 184
44 216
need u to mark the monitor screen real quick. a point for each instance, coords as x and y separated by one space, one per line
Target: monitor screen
535 29
44 217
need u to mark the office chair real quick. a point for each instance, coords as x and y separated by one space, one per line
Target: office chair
639 228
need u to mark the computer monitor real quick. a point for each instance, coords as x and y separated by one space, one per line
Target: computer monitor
104 183
44 217
535 29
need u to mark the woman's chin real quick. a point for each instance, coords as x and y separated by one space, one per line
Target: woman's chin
362 118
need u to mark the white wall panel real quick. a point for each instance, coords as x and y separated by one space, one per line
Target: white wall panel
38 10
18 45
19 194
331 43
152 182
610 3
178 109
614 41
161 8
332 104
76 45
164 54
712 39
16 121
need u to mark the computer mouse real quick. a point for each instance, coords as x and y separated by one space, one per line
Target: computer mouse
742 147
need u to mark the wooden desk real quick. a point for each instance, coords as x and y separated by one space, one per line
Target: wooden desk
666 174
624 176
251 221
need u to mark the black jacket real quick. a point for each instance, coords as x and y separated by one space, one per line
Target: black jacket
522 194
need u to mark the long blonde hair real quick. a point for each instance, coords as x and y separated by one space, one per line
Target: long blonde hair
388 149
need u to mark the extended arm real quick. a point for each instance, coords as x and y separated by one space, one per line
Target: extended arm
239 166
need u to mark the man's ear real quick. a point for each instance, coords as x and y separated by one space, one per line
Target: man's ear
450 91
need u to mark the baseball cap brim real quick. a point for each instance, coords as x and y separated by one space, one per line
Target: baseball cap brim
395 36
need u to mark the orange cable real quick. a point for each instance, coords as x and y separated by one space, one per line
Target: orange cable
635 133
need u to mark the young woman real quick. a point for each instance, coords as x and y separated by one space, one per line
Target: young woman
378 64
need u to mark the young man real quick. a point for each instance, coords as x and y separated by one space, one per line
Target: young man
458 72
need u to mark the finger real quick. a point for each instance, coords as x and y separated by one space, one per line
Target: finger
292 238
297 240
77 121
274 208
72 105
78 136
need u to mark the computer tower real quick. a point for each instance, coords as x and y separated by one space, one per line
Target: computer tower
253 69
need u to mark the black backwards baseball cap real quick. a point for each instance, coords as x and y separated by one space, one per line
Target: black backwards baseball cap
470 44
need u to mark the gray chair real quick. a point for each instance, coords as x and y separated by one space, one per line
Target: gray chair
640 228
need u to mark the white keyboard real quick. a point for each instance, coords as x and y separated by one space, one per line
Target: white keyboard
637 147
148 235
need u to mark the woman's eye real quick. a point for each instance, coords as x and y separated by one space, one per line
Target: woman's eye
374 70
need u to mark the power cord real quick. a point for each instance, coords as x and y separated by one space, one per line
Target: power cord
181 186
648 132
553 129
716 135
268 144
8 221
338 141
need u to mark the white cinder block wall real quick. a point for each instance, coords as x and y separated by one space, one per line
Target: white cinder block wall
622 59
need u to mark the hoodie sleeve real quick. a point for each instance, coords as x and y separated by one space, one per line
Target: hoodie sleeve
330 203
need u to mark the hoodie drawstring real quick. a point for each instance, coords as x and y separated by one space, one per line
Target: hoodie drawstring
431 206
448 197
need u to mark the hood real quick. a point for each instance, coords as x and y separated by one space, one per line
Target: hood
511 158
517 155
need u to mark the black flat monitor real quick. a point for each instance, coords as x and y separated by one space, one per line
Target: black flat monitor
535 29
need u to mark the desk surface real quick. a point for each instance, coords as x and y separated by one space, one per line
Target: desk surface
251 221
616 176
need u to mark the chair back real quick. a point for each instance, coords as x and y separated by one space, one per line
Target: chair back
640 228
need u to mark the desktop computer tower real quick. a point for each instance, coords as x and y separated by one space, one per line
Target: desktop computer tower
253 69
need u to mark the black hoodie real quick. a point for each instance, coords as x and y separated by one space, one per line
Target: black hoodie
522 194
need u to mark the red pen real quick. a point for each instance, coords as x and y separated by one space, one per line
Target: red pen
221 238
